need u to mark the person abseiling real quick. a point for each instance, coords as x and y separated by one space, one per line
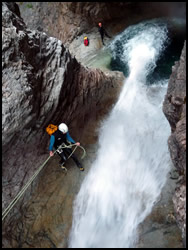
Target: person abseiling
61 135
102 32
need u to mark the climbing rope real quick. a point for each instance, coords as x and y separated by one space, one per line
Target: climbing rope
84 153
11 205
70 146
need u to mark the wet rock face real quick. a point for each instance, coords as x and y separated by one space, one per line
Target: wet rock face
41 84
174 108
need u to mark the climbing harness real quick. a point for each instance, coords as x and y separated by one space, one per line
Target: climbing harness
14 201
63 145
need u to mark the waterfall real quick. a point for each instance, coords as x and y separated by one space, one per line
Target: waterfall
132 161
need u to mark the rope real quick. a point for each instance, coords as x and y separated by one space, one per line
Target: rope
72 152
69 146
7 210
84 154
11 205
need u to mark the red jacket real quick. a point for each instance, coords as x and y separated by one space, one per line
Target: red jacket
86 42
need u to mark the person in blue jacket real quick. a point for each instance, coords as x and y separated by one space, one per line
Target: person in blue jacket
61 135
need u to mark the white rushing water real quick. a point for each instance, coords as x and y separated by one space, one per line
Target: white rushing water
132 160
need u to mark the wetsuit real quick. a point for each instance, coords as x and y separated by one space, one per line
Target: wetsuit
56 139
102 32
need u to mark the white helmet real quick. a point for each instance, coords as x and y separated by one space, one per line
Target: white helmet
63 128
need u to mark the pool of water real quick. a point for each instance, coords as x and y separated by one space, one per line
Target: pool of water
171 53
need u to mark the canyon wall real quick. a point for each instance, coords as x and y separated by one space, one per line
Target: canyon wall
41 84
68 20
174 108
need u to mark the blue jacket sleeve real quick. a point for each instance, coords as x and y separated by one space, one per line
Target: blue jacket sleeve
69 138
52 140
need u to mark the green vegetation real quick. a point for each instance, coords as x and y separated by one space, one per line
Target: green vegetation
29 5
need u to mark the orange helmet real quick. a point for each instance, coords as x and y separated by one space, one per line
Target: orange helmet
100 24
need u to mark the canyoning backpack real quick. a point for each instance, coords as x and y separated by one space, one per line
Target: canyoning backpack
86 41
51 129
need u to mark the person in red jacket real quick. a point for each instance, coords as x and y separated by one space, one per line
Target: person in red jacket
86 41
